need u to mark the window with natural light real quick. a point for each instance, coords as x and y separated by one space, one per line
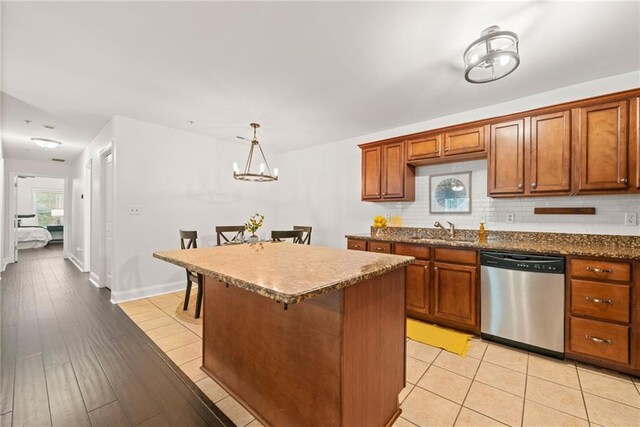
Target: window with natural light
49 206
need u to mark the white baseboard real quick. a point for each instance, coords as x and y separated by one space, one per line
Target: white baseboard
95 280
77 263
147 291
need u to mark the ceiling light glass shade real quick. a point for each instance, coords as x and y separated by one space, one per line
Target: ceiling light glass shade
250 173
46 143
493 56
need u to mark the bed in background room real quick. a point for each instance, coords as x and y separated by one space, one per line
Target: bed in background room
29 234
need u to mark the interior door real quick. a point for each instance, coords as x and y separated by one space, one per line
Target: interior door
108 231
15 219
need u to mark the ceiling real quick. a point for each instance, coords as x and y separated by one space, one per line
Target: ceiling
310 73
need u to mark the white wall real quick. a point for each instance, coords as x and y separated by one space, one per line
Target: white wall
80 254
320 186
25 191
178 180
13 167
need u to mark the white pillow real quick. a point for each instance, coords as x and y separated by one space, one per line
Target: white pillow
29 222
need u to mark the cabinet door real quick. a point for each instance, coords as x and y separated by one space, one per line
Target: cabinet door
603 147
506 158
393 167
424 148
470 140
634 140
418 287
550 153
371 170
455 293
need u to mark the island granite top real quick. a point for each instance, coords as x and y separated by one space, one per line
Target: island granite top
285 272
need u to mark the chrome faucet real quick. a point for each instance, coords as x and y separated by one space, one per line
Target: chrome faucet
451 230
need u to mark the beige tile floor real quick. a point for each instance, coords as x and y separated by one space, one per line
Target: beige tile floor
492 385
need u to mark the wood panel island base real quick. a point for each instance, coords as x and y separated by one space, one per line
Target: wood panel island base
334 357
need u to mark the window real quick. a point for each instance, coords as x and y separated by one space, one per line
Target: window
45 201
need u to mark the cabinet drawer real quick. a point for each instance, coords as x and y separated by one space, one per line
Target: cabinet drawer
417 251
381 247
600 339
605 301
600 270
456 256
356 245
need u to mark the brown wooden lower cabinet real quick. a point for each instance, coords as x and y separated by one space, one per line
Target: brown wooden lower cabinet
455 293
600 339
418 287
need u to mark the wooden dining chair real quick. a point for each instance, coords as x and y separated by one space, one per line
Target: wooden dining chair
306 238
279 236
189 240
237 237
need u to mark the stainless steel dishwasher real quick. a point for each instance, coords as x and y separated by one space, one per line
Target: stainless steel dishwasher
522 301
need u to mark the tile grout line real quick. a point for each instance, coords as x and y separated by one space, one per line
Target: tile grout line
584 401
469 389
526 381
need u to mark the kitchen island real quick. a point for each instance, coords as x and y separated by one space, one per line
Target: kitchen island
303 335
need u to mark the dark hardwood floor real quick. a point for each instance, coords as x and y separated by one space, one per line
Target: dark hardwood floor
71 358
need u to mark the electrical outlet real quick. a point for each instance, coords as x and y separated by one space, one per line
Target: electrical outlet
630 218
511 217
134 210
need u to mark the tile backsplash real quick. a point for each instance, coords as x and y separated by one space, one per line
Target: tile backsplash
609 217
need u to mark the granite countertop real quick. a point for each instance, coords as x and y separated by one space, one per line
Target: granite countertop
620 247
285 272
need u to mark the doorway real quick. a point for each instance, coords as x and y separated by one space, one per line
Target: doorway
38 214
106 159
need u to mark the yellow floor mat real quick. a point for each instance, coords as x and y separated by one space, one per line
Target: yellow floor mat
455 342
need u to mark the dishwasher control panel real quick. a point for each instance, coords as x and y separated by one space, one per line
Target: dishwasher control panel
523 262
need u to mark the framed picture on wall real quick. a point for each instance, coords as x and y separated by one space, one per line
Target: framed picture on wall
450 193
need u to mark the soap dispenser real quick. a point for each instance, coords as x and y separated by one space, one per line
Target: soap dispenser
482 233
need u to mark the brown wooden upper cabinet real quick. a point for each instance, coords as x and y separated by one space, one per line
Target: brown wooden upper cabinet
458 143
549 153
506 158
371 172
634 140
463 141
428 147
385 173
602 147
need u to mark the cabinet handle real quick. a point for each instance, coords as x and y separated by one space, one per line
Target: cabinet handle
534 185
600 270
355 246
599 301
426 267
384 194
519 186
623 180
379 248
599 340
435 268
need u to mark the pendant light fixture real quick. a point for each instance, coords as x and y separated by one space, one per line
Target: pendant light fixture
493 56
263 174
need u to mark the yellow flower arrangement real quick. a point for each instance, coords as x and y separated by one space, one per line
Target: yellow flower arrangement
254 223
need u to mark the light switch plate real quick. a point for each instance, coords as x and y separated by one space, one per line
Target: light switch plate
630 218
511 217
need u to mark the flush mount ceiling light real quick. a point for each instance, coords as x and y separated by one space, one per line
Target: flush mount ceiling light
46 143
263 174
493 56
